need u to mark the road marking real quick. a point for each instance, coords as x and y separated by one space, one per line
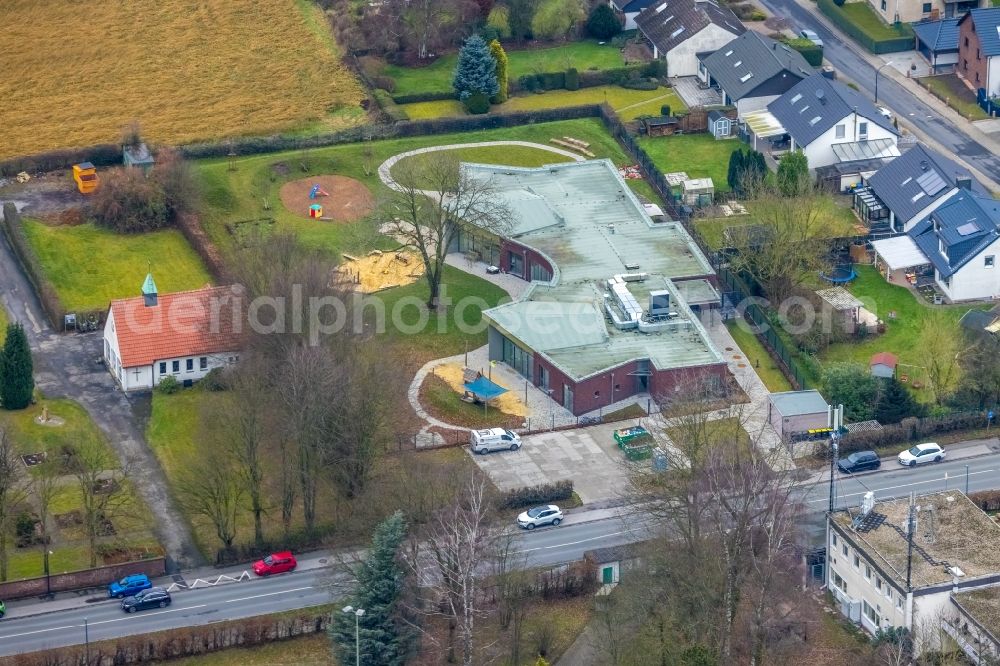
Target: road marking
39 631
574 543
957 477
271 594
131 615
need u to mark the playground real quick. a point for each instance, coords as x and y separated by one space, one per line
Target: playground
328 198
381 270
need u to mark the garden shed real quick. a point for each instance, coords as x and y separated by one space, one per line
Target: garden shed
698 191
719 125
883 364
660 125
138 155
845 307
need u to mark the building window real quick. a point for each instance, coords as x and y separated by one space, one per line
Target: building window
883 5
990 261
176 366
844 549
838 582
189 365
899 601
840 130
834 539
868 572
516 264
888 592
857 562
966 42
977 55
869 612
977 77
597 394
203 363
878 583
965 64
862 131
927 8
163 367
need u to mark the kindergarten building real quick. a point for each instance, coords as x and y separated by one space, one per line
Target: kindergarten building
611 311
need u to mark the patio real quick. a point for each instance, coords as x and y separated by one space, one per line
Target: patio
689 89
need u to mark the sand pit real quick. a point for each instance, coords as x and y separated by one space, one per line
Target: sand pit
509 402
348 199
381 270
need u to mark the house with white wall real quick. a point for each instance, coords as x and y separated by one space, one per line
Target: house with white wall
832 123
183 335
679 30
897 564
627 10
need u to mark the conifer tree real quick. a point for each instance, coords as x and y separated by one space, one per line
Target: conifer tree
476 71
17 382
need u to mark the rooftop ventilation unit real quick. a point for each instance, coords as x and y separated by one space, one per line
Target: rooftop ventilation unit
632 266
659 303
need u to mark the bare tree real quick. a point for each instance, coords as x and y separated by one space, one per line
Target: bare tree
214 491
13 492
103 491
433 201
786 243
46 488
245 420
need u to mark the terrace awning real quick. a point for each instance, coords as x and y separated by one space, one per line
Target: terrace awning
484 389
865 150
763 124
899 252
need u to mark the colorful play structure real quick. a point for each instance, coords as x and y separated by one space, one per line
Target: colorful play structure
85 175
316 211
317 191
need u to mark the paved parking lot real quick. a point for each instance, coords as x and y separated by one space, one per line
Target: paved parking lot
587 456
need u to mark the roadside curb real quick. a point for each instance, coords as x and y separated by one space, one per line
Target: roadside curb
825 478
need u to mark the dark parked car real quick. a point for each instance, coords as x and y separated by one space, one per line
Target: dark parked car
128 586
3 609
859 461
154 597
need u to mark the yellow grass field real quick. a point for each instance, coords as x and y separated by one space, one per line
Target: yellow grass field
76 73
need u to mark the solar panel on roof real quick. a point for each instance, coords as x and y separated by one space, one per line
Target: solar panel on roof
931 183
968 228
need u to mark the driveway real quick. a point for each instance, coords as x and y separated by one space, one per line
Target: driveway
66 366
587 456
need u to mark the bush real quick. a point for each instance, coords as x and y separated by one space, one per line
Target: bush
216 380
602 23
386 83
810 51
654 69
169 385
389 106
641 84
987 500
424 97
128 202
573 77
548 492
665 110
477 103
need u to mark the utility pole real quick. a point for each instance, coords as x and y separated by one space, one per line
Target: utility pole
910 527
835 420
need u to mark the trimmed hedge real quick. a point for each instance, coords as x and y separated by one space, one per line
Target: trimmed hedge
547 492
843 21
423 97
908 430
812 52
389 106
26 256
641 84
101 155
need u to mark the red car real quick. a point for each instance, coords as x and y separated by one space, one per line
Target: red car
275 563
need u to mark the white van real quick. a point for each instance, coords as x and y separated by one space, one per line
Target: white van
494 439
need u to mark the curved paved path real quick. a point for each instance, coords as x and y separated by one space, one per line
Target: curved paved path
385 174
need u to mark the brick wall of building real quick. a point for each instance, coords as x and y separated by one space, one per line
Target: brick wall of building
80 580
971 62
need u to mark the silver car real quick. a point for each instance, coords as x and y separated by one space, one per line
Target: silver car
549 514
812 37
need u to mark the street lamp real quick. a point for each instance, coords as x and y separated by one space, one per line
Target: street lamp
876 79
45 561
358 613
86 640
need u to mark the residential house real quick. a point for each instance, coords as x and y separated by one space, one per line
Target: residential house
627 10
937 42
911 187
831 123
973 621
793 413
753 70
604 319
960 240
897 564
979 49
983 325
679 30
912 11
182 335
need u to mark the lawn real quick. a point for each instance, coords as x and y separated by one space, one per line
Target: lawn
902 331
838 221
949 87
309 650
4 321
629 104
864 17
699 155
89 266
759 358
69 545
186 71
437 77
523 156
445 403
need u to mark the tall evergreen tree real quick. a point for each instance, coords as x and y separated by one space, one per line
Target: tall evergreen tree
500 56
382 636
793 174
737 161
17 381
476 71
896 403
603 24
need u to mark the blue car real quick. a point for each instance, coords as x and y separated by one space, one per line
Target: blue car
129 586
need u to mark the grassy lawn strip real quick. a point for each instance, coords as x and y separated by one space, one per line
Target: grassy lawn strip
4 322
624 414
838 221
309 650
699 155
865 18
948 87
443 402
437 77
630 104
522 156
69 546
89 266
758 358
155 65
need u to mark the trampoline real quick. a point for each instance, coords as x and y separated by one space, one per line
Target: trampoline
840 275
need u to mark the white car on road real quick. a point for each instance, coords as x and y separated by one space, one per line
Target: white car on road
920 454
812 37
886 113
540 515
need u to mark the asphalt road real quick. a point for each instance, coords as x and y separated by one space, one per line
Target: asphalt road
843 55
300 589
